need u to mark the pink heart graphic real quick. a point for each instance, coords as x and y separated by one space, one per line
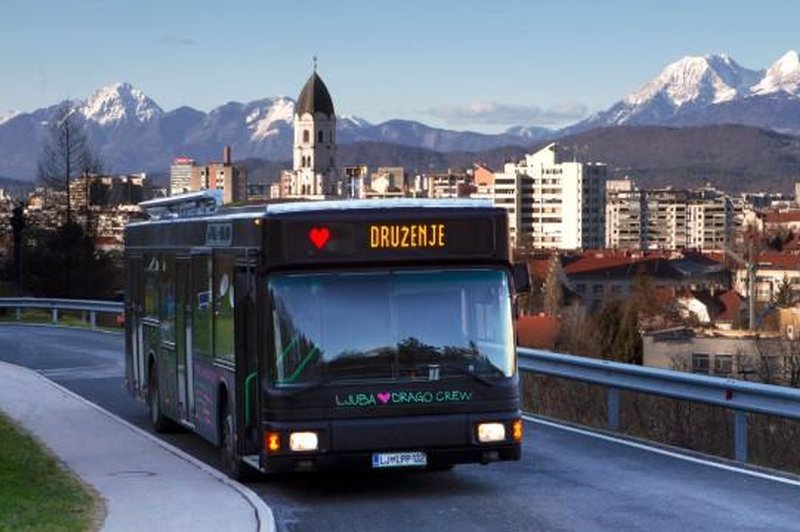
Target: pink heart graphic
384 397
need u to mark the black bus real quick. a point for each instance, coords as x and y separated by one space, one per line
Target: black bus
300 336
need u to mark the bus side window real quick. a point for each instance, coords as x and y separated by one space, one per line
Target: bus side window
223 306
152 266
167 300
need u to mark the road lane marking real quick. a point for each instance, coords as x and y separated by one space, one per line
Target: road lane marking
82 373
665 452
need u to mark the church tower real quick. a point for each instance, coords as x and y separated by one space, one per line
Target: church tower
314 175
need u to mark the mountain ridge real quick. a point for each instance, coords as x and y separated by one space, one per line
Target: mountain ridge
132 133
699 90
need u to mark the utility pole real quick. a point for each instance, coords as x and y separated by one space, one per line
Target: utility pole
17 226
751 265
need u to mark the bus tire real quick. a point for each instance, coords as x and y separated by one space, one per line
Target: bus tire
231 463
160 422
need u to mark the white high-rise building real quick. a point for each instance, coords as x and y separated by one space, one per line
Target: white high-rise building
180 175
556 205
710 220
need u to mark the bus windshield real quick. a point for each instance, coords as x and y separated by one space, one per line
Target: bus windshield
399 325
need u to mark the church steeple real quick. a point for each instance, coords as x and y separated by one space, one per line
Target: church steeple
315 98
315 171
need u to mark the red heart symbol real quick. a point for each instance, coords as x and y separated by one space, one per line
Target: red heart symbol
319 236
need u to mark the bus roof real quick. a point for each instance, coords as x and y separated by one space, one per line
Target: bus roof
368 204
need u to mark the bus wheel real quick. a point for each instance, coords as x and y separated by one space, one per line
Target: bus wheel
160 422
231 463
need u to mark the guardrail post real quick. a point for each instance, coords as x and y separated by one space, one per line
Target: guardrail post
54 314
612 396
93 319
740 435
19 313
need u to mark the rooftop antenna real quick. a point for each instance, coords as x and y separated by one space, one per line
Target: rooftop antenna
315 64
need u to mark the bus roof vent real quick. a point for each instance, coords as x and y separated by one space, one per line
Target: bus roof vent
200 203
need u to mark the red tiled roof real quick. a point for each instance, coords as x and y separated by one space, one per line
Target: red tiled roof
663 296
716 256
539 268
778 260
790 243
731 303
600 260
781 217
538 332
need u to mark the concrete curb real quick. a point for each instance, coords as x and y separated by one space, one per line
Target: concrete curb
263 513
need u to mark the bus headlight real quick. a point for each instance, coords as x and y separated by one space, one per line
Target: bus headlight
491 432
303 441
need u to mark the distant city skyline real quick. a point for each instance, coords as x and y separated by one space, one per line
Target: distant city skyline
463 65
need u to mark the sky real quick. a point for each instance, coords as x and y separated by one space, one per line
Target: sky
458 64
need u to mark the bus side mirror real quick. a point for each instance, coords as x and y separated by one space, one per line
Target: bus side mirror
522 279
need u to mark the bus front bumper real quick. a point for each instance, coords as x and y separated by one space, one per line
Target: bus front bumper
413 442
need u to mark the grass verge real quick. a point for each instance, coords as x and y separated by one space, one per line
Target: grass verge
36 491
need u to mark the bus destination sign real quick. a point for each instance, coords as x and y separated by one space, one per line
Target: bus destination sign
407 236
389 239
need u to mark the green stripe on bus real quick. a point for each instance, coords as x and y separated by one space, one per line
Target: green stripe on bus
247 397
302 365
286 350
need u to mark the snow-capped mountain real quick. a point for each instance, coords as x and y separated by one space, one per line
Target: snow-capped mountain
133 133
119 102
5 117
696 81
711 89
782 76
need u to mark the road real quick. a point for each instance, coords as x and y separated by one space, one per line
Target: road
565 481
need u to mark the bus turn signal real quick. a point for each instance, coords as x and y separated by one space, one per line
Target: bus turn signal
272 441
517 430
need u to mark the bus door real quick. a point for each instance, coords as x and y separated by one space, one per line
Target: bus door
247 360
135 356
200 373
183 338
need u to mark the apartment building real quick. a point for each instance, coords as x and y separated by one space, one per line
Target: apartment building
180 175
186 175
657 219
626 218
225 176
507 193
553 204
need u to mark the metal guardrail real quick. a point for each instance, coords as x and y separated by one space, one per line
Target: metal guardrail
93 307
740 396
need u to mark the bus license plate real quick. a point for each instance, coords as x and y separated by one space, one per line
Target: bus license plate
413 459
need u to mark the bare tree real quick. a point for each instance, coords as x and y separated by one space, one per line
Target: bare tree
792 363
554 286
768 362
67 153
780 361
